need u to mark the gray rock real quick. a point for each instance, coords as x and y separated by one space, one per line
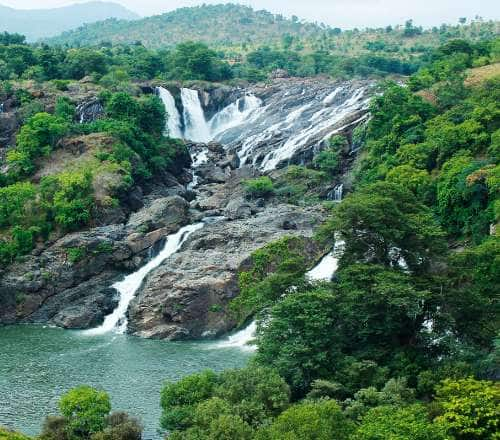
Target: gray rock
168 214
186 297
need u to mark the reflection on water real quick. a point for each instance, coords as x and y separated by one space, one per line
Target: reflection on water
38 364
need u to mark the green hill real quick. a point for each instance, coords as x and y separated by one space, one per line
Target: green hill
225 25
43 23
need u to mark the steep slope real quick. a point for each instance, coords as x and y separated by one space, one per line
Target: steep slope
43 23
214 24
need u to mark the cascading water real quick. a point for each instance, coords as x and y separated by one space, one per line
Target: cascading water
241 339
325 270
173 116
336 193
117 321
196 126
234 114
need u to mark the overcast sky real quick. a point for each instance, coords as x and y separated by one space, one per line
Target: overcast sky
341 13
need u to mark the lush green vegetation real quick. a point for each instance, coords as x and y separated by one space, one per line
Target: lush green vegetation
136 151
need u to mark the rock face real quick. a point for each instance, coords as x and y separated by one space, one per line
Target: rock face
187 296
69 282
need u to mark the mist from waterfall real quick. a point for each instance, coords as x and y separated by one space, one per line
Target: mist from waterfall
128 287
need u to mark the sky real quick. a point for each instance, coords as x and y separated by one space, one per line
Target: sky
339 13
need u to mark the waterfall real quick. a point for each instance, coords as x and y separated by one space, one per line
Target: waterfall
196 127
325 270
128 287
336 193
241 339
234 114
173 116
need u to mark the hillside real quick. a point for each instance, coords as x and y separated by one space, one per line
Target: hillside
215 24
44 23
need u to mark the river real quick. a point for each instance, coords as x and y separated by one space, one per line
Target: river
38 364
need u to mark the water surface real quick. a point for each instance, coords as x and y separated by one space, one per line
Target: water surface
38 364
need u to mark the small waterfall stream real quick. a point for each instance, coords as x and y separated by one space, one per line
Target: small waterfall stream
117 321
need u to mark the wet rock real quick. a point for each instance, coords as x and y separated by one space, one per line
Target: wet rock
167 213
186 297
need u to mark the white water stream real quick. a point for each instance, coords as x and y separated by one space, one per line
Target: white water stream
174 124
117 321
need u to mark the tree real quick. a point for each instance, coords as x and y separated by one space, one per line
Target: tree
321 420
384 223
471 408
179 399
399 423
36 138
298 340
256 393
259 187
85 409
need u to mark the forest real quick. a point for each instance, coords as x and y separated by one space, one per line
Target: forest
403 343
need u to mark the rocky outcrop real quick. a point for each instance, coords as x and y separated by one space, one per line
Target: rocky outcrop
68 283
187 296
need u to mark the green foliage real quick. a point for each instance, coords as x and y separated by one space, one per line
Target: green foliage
210 406
76 254
195 61
328 160
399 423
470 408
179 399
384 223
86 410
463 197
36 139
300 185
321 420
120 426
275 268
65 109
373 313
11 435
259 187
71 198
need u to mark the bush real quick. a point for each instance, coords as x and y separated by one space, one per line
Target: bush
259 187
470 408
306 421
85 410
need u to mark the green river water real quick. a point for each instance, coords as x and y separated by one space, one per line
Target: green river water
38 364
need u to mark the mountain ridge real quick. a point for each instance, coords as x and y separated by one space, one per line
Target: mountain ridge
36 24
215 24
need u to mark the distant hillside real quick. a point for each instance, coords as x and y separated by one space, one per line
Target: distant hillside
223 25
43 23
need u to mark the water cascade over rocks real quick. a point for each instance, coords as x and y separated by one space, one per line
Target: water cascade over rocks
295 118
196 126
242 339
174 124
117 321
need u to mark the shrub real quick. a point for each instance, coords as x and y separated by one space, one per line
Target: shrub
259 187
85 410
